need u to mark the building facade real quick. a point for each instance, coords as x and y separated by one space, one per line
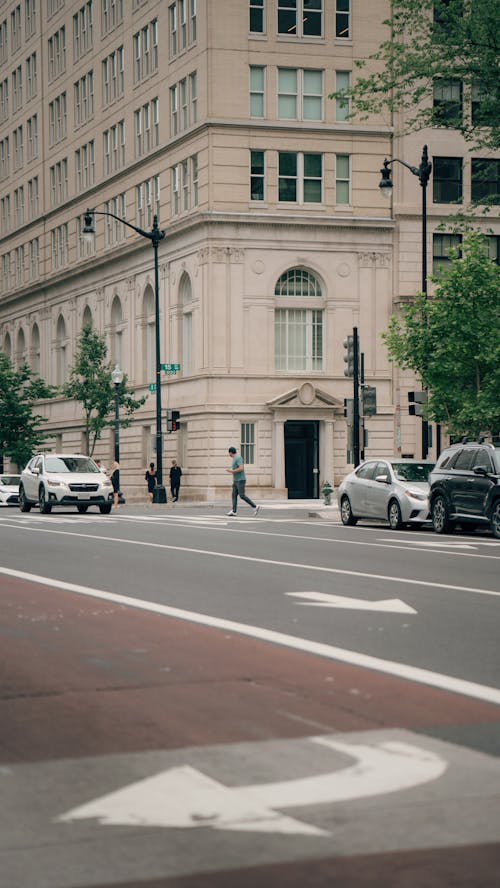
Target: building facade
215 116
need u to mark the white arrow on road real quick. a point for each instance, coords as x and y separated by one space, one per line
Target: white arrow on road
323 599
183 797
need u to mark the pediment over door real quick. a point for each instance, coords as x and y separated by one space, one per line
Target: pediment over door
306 395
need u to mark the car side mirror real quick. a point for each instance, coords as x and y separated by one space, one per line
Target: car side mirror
480 470
36 471
383 479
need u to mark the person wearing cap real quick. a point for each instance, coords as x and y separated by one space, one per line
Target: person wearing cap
239 480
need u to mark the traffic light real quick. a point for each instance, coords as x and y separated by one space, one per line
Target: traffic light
416 401
173 417
349 410
369 399
349 356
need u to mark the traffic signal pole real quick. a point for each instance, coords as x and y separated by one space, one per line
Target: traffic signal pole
355 394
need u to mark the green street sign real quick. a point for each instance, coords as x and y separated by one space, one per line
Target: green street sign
170 368
152 386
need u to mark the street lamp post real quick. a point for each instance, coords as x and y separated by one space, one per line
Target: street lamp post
423 172
117 379
155 236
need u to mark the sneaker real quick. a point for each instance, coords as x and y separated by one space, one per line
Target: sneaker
256 511
231 514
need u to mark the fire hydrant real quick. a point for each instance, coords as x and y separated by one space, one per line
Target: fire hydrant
327 491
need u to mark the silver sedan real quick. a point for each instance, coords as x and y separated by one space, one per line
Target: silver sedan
395 490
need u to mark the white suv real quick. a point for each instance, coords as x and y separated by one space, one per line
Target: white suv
64 479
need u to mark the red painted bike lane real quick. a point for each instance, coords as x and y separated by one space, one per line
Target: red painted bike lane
84 678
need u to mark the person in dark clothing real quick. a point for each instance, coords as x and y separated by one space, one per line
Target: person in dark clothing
115 480
175 480
150 477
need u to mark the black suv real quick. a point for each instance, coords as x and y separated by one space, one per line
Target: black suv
465 488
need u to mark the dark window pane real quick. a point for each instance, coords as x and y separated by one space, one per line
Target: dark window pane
312 18
256 21
341 25
312 165
447 180
486 180
287 22
287 163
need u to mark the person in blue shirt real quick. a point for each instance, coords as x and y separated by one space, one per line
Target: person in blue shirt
239 480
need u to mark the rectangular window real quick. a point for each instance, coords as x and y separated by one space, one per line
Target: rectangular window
343 19
182 25
484 106
30 18
342 84
194 180
83 31
59 182
447 102
257 93
34 259
18 144
4 42
184 109
114 148
147 197
298 334
174 110
486 181
4 158
300 177
147 133
112 14
146 51
15 28
60 246
493 247
33 198
193 92
19 260
4 100
19 206
57 119
5 214
247 443
85 166
31 77
17 89
300 18
257 16
113 77
84 99
114 231
32 138
447 180
184 184
343 179
441 246
257 175
192 21
57 53
6 271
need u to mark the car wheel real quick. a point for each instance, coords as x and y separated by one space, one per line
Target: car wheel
346 512
495 519
394 515
440 517
106 509
82 509
45 507
24 505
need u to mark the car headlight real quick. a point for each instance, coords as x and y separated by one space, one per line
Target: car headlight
416 494
54 483
106 483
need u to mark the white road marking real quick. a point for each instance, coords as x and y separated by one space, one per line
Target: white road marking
184 797
402 670
323 599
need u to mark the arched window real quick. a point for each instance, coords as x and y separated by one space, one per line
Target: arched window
298 322
7 346
61 355
186 300
116 331
20 348
148 310
87 318
35 349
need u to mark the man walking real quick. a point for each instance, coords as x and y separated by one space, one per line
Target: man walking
239 480
175 480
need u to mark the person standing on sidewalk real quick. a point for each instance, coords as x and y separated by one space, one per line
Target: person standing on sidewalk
151 479
175 480
239 480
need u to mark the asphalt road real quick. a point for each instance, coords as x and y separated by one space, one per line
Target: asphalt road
194 700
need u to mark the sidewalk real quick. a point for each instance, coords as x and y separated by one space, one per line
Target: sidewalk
313 508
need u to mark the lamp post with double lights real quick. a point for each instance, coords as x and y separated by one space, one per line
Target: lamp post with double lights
155 236
423 172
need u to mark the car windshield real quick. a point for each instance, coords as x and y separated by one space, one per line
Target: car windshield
63 464
9 480
412 471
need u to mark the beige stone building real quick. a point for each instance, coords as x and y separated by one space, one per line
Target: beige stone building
214 115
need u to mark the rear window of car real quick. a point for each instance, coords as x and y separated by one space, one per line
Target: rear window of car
9 480
62 464
412 471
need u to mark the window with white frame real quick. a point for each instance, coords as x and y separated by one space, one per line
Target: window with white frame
18 145
4 42
17 88
4 100
114 148
83 30
57 119
29 18
257 16
58 176
182 25
57 53
33 198
19 265
257 175
114 231
145 44
193 96
343 19
444 247
186 301
84 98
113 76
300 177
300 18
183 103
32 137
147 127
111 14
15 28
247 443
34 259
5 216
300 94
147 197
343 179
31 76
54 6
257 91
6 264
184 183
298 322
4 158
342 105
19 206
60 246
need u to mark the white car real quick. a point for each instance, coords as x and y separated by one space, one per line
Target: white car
9 490
64 479
395 490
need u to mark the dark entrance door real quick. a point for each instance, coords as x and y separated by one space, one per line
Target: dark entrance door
301 459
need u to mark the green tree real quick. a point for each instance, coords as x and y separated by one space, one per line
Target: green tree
20 427
451 43
90 383
452 341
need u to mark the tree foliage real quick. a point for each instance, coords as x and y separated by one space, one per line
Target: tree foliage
452 341
20 428
430 41
90 383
